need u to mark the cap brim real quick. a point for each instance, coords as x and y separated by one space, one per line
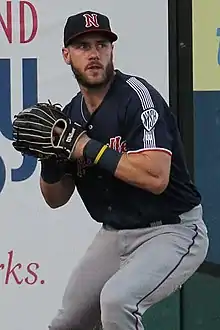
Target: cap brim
110 35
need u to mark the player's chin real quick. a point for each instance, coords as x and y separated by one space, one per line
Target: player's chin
95 75
96 81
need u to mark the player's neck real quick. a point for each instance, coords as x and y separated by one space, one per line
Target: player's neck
94 97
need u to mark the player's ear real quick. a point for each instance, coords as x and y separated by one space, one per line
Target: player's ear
66 56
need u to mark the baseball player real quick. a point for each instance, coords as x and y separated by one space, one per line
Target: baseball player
124 155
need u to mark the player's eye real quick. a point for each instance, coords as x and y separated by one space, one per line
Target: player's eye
82 45
102 44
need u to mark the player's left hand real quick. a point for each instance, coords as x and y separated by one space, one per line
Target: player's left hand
43 130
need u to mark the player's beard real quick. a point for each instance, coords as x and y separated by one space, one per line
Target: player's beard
83 81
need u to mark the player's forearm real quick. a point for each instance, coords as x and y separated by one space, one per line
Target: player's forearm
56 186
132 171
57 194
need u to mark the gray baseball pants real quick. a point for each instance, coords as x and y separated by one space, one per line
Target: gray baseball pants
125 272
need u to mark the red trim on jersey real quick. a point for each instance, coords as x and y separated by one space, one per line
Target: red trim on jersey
151 149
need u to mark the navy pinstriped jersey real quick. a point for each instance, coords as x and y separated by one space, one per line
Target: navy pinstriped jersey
132 117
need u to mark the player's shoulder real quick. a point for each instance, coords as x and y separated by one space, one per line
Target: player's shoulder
142 94
68 108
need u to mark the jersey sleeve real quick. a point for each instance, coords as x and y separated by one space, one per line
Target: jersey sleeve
149 121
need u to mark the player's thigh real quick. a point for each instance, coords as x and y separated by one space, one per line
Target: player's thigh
156 269
99 263
81 300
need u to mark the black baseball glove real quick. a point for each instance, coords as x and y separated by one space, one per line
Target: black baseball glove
43 130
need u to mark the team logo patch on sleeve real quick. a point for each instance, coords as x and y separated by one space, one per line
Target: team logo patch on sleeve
149 118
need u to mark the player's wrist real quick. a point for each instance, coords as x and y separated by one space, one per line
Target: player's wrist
100 154
51 170
77 151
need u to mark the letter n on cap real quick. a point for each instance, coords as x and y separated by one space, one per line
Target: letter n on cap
91 20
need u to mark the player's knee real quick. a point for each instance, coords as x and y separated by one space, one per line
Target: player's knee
66 320
62 326
113 301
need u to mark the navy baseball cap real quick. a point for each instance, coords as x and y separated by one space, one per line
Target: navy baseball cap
85 22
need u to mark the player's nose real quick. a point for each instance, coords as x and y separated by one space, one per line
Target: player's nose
94 53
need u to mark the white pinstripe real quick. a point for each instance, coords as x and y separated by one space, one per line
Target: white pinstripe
149 139
143 93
